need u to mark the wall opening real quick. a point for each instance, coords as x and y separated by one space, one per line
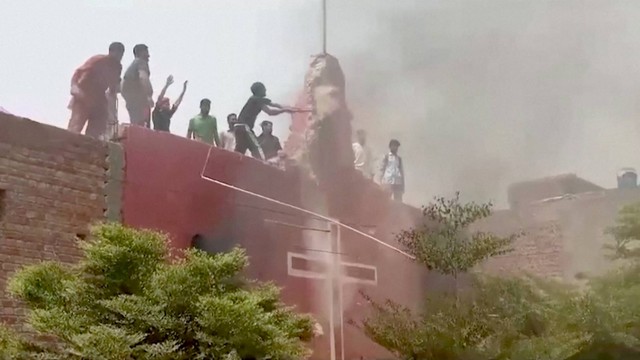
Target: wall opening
3 203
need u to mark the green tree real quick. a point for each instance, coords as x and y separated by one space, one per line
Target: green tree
451 326
444 242
626 233
509 317
124 300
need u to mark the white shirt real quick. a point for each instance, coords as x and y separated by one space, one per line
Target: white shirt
362 161
228 140
392 173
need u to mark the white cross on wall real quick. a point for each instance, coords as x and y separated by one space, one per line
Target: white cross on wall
320 270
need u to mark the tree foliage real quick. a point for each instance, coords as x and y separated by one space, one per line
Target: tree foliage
124 300
508 317
626 233
445 244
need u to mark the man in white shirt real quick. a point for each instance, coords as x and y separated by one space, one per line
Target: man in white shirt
228 137
362 155
392 171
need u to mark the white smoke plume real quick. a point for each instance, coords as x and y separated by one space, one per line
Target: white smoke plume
485 93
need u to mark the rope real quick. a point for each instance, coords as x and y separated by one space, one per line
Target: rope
308 212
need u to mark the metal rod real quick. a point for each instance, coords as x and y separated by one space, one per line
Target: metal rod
295 226
328 219
318 250
324 26
337 231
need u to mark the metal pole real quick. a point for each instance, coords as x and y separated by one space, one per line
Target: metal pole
335 228
324 26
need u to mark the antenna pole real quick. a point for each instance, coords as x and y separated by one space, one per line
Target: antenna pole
324 26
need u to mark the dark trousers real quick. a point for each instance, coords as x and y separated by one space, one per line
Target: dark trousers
397 191
247 140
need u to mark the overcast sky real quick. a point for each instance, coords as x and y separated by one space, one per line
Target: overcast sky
220 46
481 93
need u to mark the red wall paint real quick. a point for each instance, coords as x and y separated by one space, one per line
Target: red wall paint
163 190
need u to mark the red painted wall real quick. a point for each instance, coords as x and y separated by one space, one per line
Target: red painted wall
163 190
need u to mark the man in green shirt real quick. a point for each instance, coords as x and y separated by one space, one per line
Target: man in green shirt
204 127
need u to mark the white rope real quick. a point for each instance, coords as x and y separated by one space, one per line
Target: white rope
299 209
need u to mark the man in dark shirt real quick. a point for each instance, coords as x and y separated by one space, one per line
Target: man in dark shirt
89 85
269 143
245 137
163 111
136 87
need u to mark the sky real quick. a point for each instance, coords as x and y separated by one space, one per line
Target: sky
221 47
481 93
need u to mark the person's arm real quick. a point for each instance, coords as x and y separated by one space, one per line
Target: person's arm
179 100
402 173
190 130
114 83
278 146
216 137
166 86
288 109
272 112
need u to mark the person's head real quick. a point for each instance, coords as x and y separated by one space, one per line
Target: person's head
116 50
232 119
394 145
361 135
258 89
267 127
163 103
205 106
141 51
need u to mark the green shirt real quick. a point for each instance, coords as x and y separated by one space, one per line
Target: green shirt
205 128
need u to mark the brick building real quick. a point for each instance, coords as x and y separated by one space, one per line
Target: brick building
55 184
563 219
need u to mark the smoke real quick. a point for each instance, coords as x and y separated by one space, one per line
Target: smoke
485 93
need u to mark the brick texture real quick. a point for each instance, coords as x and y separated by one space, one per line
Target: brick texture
538 251
51 189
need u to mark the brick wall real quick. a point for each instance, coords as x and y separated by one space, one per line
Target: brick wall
51 190
563 237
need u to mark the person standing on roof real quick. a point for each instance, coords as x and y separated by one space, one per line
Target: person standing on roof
163 110
136 87
228 137
392 171
89 85
362 154
204 127
269 143
258 102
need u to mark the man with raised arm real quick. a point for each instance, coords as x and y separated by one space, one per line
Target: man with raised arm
89 85
136 87
258 102
163 110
